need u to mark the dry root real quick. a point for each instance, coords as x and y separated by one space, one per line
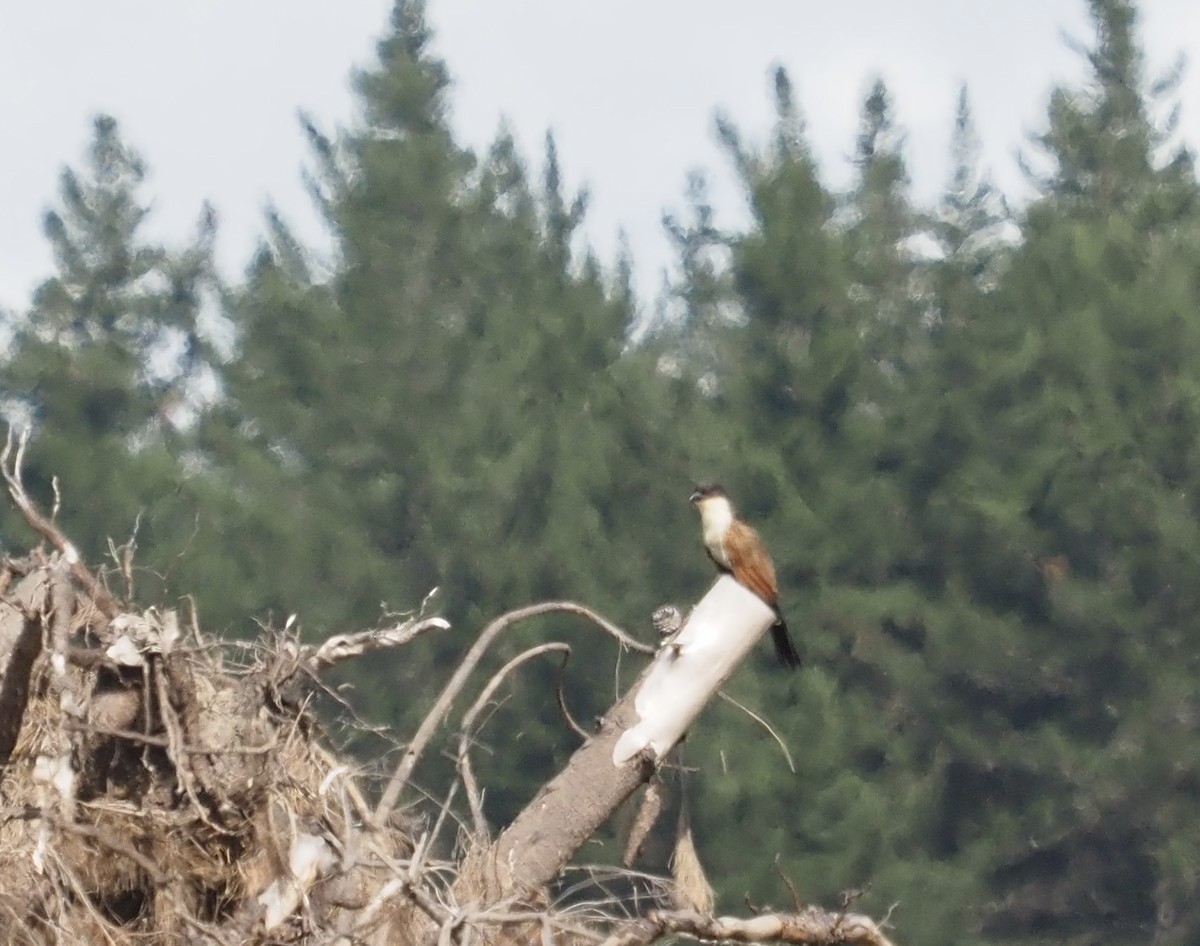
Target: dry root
158 789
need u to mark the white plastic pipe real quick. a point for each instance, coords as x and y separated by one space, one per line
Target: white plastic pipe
690 668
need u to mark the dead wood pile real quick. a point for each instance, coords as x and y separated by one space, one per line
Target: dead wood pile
158 786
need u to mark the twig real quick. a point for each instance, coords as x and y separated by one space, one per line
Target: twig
418 858
496 917
561 694
70 889
762 722
357 799
405 882
797 903
164 742
45 527
122 555
403 886
176 672
344 646
57 499
435 717
175 742
808 928
474 796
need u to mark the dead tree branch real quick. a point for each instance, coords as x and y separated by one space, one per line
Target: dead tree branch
462 672
810 927
639 730
46 528
467 731
572 806
62 600
346 646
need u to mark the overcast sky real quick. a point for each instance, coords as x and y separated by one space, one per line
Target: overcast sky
208 91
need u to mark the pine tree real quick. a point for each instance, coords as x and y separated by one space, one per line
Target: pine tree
886 281
789 425
972 217
1106 151
114 359
341 386
449 407
1048 482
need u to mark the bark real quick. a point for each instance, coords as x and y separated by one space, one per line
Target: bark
637 733
570 808
14 686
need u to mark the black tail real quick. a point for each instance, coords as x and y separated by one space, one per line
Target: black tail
785 647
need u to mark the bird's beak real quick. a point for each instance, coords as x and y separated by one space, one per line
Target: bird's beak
694 498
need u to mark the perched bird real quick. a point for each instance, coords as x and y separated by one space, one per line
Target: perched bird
737 550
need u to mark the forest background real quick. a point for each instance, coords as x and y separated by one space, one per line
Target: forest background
969 435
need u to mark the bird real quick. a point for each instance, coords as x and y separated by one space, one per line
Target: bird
737 550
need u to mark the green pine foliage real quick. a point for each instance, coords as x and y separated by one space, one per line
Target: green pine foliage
969 436
112 362
445 409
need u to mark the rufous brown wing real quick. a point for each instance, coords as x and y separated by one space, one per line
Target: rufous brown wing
753 568
749 561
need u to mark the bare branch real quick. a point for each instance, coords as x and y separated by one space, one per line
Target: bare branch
435 717
344 646
46 527
122 555
465 732
185 765
57 499
810 927
765 725
165 742
635 734
561 695
797 902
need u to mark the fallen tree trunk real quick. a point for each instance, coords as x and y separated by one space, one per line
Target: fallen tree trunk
636 734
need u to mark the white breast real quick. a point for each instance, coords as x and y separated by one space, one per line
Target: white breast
716 516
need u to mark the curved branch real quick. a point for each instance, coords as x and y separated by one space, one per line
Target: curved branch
465 737
429 725
561 695
765 725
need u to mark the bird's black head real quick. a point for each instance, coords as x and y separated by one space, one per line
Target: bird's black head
705 490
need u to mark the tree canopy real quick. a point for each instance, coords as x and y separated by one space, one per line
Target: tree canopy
967 431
